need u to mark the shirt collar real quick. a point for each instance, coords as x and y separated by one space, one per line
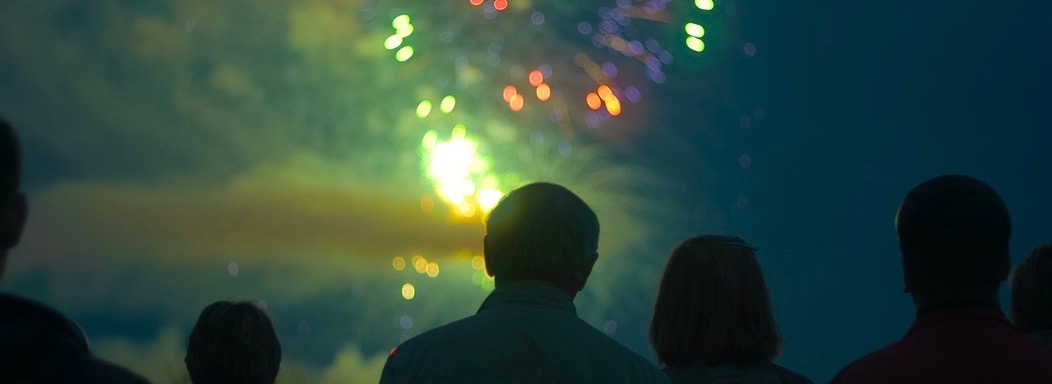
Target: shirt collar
532 293
975 313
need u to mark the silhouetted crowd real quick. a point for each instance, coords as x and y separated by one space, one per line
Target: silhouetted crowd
712 320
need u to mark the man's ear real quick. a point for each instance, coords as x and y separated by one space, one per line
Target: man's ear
13 221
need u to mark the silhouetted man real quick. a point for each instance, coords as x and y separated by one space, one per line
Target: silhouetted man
540 246
37 344
953 233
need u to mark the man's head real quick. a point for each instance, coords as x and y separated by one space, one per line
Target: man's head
233 343
1032 291
13 207
542 232
953 233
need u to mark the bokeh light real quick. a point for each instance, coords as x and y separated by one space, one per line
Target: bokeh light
509 91
408 291
705 5
695 44
593 101
544 92
401 22
392 42
694 29
613 106
448 103
478 262
432 269
423 109
398 263
516 102
405 53
420 264
536 77
500 5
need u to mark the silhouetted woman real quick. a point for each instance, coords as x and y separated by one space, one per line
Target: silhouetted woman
233 343
712 320
1032 295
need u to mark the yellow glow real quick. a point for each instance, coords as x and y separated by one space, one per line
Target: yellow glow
460 176
448 103
695 44
605 92
488 198
450 167
398 263
393 42
466 210
694 29
423 109
704 5
478 262
405 53
613 105
488 284
408 291
432 270
420 264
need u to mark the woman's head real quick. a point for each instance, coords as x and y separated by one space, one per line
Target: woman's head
713 306
1032 291
233 343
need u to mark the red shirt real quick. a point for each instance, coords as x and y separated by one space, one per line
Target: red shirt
956 345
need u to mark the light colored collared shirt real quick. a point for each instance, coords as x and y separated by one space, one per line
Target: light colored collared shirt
525 332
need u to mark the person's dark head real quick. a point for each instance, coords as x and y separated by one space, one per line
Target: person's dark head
1032 291
233 343
713 306
13 208
542 232
953 233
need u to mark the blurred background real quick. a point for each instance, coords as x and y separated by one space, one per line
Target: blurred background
334 160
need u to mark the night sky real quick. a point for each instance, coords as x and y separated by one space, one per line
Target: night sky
180 153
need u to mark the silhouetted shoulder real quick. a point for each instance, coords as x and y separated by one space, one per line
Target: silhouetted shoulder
790 377
479 349
40 345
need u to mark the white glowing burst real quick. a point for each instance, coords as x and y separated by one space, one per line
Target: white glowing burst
460 175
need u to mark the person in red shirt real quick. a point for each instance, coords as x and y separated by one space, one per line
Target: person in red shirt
953 235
